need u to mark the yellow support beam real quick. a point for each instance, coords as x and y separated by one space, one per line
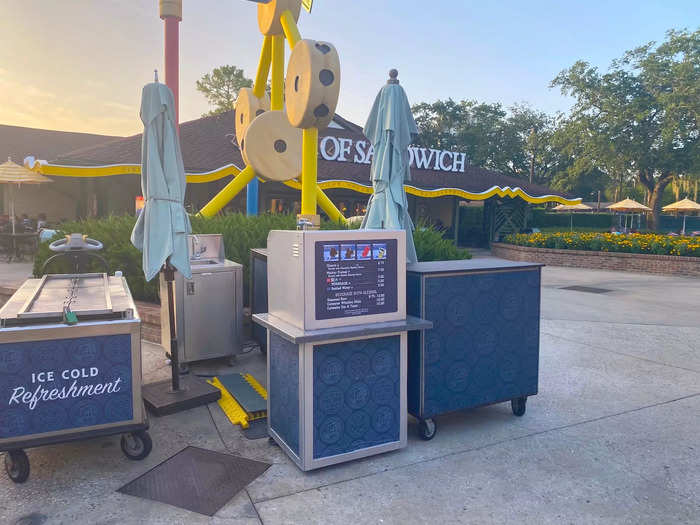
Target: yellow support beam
309 166
291 30
277 84
229 191
334 214
263 67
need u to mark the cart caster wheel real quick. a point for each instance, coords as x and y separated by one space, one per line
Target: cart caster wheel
184 368
17 465
136 445
427 429
518 405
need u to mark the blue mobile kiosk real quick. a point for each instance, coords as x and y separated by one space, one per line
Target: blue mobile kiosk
484 345
337 343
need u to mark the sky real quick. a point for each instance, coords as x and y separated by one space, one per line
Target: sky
79 65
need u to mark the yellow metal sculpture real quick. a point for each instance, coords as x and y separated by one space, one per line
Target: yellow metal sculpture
278 143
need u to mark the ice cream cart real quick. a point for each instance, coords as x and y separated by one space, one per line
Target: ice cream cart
70 367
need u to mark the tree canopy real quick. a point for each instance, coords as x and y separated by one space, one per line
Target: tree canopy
221 87
635 123
493 137
640 118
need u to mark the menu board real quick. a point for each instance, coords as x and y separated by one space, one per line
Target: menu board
355 278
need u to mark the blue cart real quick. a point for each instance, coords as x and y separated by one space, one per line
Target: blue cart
258 293
70 367
484 344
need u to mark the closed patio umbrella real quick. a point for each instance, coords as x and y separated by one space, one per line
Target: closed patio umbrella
391 128
15 175
684 206
162 227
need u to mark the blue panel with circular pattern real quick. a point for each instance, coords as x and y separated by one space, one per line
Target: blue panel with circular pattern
62 384
283 389
356 395
484 345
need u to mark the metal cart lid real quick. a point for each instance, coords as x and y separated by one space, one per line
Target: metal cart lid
470 265
94 296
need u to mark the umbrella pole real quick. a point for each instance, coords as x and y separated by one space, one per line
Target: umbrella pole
12 207
683 230
169 274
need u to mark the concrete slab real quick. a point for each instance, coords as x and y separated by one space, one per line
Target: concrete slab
537 479
659 443
15 273
634 298
670 345
580 382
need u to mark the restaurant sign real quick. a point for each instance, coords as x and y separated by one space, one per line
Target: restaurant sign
341 149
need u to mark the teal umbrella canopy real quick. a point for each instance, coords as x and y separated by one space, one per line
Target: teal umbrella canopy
162 227
391 129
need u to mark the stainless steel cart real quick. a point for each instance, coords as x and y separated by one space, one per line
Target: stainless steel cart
209 306
70 367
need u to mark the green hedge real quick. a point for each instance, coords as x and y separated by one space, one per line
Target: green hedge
541 218
241 233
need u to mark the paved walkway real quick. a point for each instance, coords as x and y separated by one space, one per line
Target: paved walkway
15 273
612 436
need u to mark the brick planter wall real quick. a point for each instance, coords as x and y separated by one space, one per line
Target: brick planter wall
629 262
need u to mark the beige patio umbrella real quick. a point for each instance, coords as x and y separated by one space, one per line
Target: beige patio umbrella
684 206
630 206
15 175
572 208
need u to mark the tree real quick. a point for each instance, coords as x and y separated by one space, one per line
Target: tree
221 87
640 118
494 138
534 156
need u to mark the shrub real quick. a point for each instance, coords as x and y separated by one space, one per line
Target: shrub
431 246
241 233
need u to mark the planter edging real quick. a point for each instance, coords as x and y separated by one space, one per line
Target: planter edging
599 260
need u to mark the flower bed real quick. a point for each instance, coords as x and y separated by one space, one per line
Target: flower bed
645 243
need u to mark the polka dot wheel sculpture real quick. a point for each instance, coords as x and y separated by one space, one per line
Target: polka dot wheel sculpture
277 143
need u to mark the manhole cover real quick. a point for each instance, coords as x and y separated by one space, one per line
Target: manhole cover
588 289
196 479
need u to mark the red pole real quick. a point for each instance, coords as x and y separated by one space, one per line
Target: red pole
171 13
172 60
